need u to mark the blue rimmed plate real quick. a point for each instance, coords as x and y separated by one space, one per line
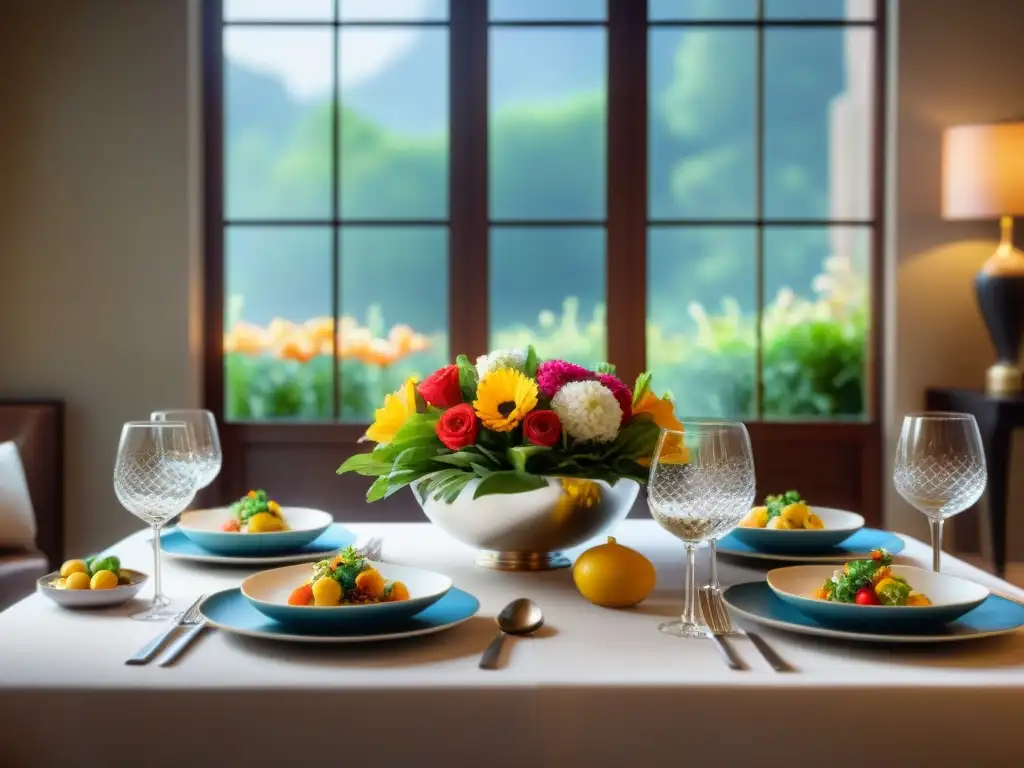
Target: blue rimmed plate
176 544
204 527
268 591
951 597
839 526
231 612
856 547
756 602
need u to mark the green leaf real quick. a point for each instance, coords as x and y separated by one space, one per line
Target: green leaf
532 362
378 490
642 387
508 482
417 425
392 451
416 455
495 459
638 439
481 471
520 454
367 464
468 378
605 368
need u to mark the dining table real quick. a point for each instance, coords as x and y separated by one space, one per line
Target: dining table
594 687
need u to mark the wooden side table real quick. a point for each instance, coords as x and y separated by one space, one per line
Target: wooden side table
997 418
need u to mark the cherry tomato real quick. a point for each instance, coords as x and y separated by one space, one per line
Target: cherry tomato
230 526
866 596
876 554
301 595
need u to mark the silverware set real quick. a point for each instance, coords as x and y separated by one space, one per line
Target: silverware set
716 616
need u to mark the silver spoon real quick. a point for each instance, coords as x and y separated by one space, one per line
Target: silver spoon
520 617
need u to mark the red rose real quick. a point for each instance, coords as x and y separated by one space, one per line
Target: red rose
441 388
542 428
457 427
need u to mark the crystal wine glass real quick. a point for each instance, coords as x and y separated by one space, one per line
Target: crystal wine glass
701 485
155 478
940 468
205 440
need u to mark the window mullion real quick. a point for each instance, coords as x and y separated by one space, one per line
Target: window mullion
468 241
627 186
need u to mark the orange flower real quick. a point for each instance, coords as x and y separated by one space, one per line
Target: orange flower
298 347
246 339
660 409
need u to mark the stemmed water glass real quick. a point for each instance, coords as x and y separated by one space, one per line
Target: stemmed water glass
701 485
205 440
155 478
940 468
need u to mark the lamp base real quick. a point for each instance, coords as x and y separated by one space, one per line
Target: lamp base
1004 380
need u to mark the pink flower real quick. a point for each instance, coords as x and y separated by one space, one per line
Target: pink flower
552 375
621 392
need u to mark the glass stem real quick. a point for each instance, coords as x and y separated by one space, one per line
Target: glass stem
690 587
714 564
936 526
157 593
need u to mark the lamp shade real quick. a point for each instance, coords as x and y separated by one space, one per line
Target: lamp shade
983 171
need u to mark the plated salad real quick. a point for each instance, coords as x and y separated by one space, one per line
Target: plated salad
785 511
255 513
348 578
870 582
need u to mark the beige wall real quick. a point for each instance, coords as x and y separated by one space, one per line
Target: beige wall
96 227
98 204
958 62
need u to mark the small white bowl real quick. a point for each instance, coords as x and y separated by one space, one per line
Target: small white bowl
203 526
268 593
92 598
839 525
951 598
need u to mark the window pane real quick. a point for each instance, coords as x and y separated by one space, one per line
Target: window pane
703 123
701 329
277 128
279 10
818 123
397 10
851 10
563 314
547 123
394 307
277 322
394 123
538 10
816 324
702 10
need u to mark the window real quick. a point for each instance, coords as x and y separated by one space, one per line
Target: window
698 179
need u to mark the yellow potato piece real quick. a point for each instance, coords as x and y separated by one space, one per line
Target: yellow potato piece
103 580
370 583
77 580
814 522
796 514
882 584
73 566
326 591
755 518
916 598
264 522
779 523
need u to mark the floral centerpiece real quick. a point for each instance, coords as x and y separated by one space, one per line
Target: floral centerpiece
511 425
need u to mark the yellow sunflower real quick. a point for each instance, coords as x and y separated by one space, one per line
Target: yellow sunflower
398 406
503 398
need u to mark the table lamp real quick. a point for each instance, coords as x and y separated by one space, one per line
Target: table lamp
983 178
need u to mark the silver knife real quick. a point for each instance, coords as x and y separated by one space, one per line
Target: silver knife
777 662
146 653
183 641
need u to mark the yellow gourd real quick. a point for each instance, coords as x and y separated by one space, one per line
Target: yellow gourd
103 580
613 576
326 591
73 566
755 518
77 580
264 522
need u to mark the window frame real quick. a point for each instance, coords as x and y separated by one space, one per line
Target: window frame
626 225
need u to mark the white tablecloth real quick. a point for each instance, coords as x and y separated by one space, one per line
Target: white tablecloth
596 687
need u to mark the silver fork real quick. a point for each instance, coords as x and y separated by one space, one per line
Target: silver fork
717 632
195 622
372 548
722 619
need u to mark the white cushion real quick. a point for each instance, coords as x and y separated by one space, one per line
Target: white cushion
17 519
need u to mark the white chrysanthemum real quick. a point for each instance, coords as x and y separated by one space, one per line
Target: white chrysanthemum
500 358
588 411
